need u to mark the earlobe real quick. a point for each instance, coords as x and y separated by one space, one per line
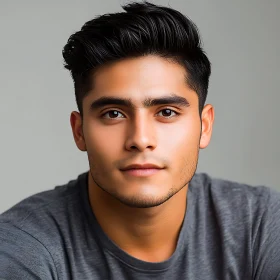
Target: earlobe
77 130
207 121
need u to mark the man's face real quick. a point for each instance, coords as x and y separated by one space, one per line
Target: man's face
141 112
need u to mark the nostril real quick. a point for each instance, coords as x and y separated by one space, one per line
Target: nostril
133 147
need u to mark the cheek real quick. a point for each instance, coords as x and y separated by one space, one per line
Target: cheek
103 141
182 137
181 148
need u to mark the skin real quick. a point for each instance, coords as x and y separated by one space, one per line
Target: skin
142 215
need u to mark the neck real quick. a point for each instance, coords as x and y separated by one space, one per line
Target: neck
149 234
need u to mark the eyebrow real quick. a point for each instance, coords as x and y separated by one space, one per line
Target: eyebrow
172 99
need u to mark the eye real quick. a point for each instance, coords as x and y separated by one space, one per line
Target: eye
113 114
167 113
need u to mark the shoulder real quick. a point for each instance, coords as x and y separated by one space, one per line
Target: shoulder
32 230
22 256
250 215
232 194
236 207
45 204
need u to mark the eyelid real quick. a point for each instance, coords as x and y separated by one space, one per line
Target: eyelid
110 110
118 110
176 114
171 109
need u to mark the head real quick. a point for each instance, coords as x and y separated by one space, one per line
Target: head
141 80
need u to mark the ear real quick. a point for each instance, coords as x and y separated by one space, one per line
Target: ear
207 121
77 130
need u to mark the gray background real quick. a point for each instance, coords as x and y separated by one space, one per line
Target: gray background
241 38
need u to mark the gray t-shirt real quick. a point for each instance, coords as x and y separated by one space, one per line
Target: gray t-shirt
230 231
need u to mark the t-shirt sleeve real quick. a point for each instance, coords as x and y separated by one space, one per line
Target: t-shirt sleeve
23 257
266 247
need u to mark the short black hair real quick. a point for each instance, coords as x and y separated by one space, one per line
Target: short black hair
143 29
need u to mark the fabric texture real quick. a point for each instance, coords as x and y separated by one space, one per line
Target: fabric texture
230 231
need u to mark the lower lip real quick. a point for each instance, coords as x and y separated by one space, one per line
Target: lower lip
142 172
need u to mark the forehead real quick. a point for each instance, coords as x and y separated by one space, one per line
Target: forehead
140 78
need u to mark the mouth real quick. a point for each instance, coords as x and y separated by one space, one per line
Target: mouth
141 170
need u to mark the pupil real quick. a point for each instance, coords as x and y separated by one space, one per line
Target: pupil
166 112
113 114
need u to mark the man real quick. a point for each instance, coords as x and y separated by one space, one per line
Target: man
141 212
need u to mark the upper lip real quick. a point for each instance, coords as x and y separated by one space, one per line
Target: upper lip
141 166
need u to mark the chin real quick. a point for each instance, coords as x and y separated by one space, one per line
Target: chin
148 203
147 199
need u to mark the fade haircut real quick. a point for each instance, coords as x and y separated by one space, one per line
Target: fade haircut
143 29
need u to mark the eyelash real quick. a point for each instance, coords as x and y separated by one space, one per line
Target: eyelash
173 111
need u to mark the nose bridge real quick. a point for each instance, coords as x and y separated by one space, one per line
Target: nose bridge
141 132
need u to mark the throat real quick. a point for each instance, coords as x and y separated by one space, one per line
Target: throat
149 235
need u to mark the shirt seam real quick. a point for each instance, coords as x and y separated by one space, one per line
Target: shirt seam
135 268
254 241
21 221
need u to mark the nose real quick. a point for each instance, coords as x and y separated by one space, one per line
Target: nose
141 134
